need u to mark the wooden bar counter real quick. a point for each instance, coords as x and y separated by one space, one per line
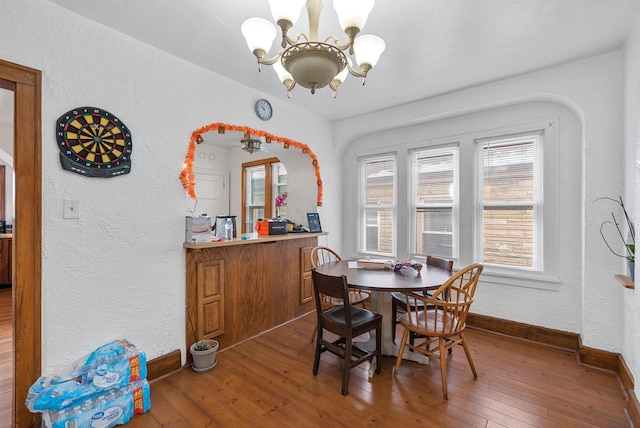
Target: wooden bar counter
240 288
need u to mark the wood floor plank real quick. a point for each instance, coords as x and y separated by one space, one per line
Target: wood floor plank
162 413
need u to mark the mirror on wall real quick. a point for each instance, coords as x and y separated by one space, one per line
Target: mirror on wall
218 160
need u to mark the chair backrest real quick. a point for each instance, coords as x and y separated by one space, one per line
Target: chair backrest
333 287
469 278
322 255
440 263
445 312
466 279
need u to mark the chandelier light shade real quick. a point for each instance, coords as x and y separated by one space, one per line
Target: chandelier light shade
368 49
286 10
303 59
353 14
259 34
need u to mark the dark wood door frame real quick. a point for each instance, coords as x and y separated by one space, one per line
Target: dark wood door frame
27 235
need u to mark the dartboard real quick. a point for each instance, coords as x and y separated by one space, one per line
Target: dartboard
94 143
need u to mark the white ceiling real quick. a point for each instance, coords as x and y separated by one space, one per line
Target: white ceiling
433 46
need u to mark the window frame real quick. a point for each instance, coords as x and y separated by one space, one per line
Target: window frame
436 150
536 205
364 207
269 202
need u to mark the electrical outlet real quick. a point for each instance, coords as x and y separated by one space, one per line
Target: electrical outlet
71 208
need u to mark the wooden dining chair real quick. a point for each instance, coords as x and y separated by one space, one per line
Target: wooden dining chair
398 298
321 255
346 321
442 319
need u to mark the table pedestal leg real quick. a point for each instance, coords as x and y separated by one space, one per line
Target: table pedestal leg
381 304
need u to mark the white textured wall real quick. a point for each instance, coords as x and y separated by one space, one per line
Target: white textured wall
119 271
592 90
631 327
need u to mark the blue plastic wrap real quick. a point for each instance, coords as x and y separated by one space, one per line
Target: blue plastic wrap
113 365
111 408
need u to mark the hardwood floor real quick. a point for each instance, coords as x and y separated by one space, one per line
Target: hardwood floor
6 370
267 381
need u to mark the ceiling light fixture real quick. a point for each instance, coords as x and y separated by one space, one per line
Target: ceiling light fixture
249 144
303 59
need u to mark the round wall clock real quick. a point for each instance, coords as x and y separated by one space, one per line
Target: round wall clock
263 109
94 143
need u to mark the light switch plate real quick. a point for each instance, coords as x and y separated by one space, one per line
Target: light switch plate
71 208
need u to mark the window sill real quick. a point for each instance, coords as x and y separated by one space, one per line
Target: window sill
625 281
539 282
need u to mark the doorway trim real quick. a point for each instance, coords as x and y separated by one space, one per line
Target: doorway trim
27 235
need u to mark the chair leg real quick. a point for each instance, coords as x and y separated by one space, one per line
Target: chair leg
466 351
315 331
316 359
394 321
443 367
405 335
378 350
346 366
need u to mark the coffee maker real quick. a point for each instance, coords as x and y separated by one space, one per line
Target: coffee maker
218 226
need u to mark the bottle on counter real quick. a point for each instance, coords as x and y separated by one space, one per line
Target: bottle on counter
228 230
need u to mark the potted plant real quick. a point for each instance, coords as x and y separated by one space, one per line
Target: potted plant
629 244
203 352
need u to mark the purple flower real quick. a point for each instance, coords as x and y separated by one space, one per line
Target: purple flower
280 199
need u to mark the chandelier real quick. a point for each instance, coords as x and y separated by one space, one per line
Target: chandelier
305 61
249 144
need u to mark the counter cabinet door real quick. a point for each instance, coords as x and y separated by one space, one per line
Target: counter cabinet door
306 284
210 298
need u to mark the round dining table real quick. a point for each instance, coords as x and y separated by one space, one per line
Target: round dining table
382 282
388 280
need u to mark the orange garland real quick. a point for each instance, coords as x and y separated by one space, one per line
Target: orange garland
187 177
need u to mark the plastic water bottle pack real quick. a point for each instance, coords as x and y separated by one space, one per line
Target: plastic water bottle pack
108 386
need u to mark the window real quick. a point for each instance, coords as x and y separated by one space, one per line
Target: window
509 221
469 189
260 180
434 195
254 195
279 174
377 205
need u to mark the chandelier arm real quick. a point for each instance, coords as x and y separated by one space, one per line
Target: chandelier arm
272 60
294 40
339 44
365 69
355 72
289 84
334 85
284 25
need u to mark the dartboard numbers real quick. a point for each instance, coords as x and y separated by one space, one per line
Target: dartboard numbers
93 142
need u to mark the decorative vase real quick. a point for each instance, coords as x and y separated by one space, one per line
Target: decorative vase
632 270
203 354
